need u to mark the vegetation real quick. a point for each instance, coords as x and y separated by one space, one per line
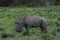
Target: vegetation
8 16
29 2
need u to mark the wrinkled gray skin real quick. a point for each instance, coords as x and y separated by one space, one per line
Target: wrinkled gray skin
32 22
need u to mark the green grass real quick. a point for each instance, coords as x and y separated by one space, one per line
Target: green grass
8 16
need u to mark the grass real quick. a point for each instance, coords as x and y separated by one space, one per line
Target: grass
8 16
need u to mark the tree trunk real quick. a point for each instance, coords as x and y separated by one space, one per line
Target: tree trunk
47 3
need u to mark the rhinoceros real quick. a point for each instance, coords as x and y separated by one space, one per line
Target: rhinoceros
31 22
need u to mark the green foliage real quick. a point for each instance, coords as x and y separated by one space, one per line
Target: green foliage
8 16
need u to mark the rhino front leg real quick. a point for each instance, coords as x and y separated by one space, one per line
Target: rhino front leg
27 30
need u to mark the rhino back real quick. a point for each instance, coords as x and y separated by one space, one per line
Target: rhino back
33 20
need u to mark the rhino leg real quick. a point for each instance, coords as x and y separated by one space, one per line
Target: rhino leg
43 27
27 30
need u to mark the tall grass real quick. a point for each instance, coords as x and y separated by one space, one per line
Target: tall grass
8 16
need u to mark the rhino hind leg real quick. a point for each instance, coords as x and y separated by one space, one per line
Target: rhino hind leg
43 27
